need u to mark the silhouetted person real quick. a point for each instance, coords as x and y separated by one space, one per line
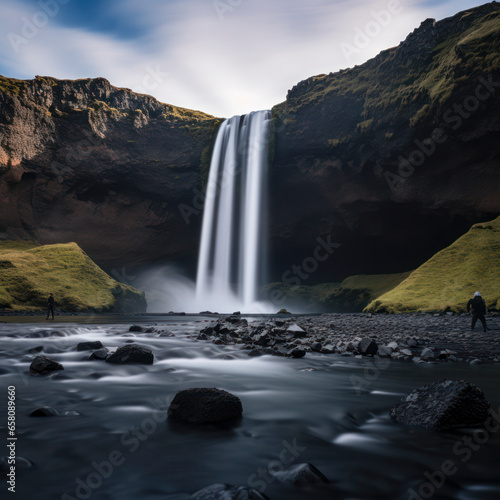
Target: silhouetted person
50 306
478 307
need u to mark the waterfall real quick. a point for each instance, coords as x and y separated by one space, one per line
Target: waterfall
232 256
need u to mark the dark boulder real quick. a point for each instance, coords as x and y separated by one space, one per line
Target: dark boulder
45 411
227 492
443 405
368 347
300 475
135 328
296 352
89 346
131 353
100 354
205 405
42 364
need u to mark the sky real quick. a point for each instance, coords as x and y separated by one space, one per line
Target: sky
223 57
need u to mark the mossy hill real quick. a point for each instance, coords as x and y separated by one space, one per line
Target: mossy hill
28 273
449 279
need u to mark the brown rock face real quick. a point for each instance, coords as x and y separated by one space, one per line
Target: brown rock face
85 161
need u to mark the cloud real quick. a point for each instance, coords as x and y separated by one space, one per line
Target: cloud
223 62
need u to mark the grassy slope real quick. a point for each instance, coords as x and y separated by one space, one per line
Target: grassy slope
351 295
450 278
28 273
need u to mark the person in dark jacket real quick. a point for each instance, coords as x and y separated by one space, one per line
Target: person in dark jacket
50 306
478 308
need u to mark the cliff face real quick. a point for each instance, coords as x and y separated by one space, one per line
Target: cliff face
85 161
394 159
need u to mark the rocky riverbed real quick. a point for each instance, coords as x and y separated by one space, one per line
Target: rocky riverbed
421 338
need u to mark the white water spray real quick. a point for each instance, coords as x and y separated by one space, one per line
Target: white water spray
233 251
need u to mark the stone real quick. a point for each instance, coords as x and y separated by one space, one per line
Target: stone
89 346
42 364
131 353
227 492
205 406
300 475
385 351
427 354
367 347
45 411
406 352
296 353
100 354
393 345
443 405
135 328
297 331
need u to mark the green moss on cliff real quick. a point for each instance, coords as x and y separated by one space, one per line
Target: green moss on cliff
450 278
396 83
10 85
30 272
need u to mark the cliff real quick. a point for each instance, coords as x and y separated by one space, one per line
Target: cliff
88 162
394 159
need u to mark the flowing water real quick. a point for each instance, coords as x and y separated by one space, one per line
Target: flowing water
233 242
330 411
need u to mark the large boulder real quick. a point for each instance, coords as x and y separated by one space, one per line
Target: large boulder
42 364
227 492
89 346
205 406
443 405
368 347
131 353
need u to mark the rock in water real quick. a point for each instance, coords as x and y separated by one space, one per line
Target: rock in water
296 352
301 474
443 405
368 346
89 346
45 411
227 492
100 354
43 364
205 406
131 353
